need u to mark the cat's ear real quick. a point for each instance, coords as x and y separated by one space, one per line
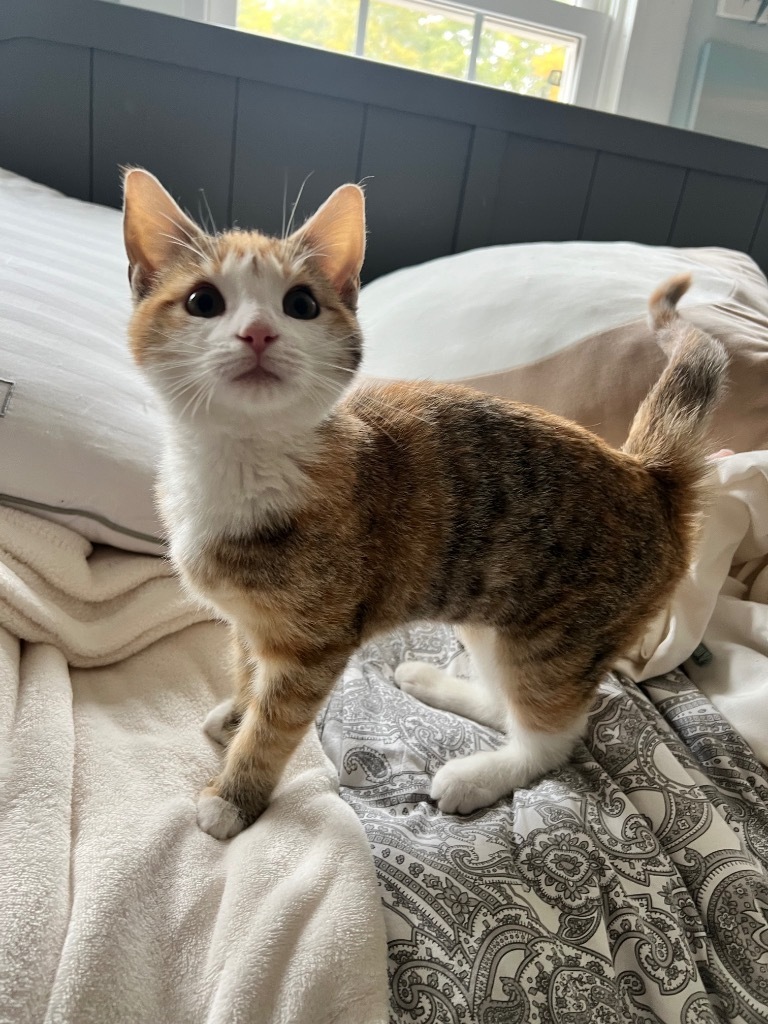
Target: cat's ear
154 227
336 234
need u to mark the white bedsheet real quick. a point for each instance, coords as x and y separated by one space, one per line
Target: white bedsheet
724 604
114 907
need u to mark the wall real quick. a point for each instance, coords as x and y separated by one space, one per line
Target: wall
704 26
658 39
657 49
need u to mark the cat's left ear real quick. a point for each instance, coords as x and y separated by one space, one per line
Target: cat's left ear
336 234
155 228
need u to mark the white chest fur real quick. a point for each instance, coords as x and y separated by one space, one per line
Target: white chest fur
215 484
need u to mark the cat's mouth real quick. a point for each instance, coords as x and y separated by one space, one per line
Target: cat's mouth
257 375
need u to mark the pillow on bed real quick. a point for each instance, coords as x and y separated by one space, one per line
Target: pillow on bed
78 432
564 326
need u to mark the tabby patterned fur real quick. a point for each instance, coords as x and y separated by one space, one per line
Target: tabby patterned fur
312 514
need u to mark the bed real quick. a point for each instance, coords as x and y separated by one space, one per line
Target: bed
631 885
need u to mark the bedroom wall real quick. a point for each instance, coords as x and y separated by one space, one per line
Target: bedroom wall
85 87
659 31
705 26
650 57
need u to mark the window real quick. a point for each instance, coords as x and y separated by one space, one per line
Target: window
331 24
572 51
551 48
527 61
426 36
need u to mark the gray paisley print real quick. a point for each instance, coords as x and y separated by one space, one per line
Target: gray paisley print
630 886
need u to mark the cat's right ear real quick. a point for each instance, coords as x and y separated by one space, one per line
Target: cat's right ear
154 227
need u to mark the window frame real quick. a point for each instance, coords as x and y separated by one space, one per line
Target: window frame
587 27
591 25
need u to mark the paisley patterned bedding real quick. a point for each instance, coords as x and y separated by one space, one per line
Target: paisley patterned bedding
631 885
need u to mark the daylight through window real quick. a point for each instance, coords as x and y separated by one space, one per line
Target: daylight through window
443 38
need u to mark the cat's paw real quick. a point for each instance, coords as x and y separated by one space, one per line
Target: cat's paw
420 679
463 786
221 723
218 817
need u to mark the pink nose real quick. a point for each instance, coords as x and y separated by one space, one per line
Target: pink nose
258 336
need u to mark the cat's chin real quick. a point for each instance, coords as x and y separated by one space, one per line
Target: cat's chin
253 409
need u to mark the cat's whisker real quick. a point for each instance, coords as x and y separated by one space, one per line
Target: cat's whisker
295 205
193 388
301 251
335 366
204 397
325 381
181 387
191 369
211 393
204 197
380 407
380 426
317 398
323 384
183 347
377 411
191 238
191 399
184 245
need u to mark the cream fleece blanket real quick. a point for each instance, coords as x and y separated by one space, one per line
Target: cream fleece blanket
724 604
114 907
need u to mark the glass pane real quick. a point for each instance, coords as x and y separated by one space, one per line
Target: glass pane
331 24
526 61
419 35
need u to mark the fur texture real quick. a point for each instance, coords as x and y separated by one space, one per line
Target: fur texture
312 516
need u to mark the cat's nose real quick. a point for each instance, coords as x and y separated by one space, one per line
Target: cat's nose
258 335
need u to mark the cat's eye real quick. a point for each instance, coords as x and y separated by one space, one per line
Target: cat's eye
301 304
205 301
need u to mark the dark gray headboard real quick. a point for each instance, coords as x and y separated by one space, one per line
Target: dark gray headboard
85 86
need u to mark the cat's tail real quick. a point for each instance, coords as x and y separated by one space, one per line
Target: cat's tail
669 431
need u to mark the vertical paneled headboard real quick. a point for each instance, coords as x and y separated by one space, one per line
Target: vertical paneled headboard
86 86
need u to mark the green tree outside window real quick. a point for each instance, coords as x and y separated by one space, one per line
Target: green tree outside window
418 35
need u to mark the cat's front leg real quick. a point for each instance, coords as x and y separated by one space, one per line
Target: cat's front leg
221 723
286 696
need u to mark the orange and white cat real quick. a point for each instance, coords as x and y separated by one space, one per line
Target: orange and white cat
312 514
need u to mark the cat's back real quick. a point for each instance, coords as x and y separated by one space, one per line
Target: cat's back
432 417
515 500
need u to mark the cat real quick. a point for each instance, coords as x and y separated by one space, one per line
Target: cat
311 513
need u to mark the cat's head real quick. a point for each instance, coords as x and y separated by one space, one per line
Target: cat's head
240 329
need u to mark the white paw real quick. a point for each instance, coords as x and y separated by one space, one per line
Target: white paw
418 678
458 791
218 817
221 723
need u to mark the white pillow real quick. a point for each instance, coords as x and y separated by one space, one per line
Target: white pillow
79 429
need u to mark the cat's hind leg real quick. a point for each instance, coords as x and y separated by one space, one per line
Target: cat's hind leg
439 689
547 709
